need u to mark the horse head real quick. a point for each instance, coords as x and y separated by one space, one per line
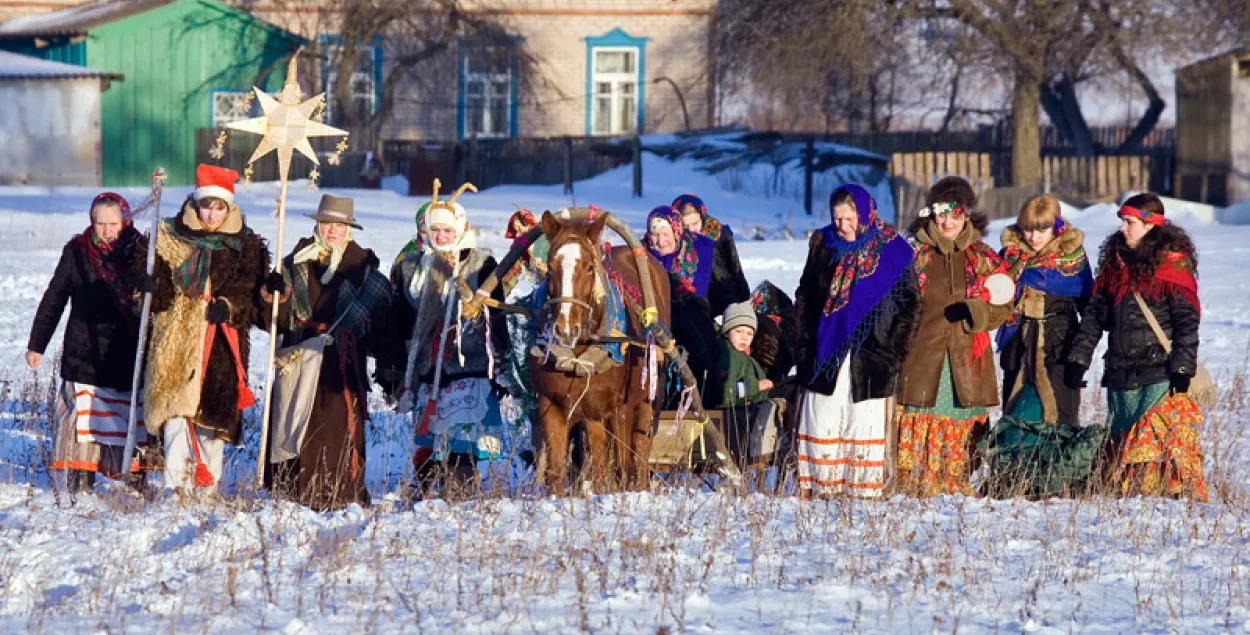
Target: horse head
574 284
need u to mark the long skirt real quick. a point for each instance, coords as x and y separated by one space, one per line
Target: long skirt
935 444
91 430
1154 437
841 443
465 421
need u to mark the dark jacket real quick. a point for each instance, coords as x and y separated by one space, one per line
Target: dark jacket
728 285
1134 357
100 336
875 366
1058 324
947 329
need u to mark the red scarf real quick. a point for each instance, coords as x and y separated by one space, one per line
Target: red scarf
1174 274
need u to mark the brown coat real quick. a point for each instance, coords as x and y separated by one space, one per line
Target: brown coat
944 329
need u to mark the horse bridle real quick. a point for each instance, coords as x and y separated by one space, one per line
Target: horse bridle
600 277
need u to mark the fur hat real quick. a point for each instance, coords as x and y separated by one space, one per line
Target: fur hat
740 314
215 182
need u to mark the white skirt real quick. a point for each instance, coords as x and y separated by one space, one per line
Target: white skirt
842 445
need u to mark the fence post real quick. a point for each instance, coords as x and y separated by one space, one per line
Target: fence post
473 172
568 165
637 156
809 158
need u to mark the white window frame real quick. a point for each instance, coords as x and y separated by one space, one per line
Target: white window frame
487 80
226 105
616 80
368 53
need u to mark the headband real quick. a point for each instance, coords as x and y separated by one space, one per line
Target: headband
1149 218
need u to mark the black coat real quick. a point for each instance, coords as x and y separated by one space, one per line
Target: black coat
875 366
728 285
100 337
1134 357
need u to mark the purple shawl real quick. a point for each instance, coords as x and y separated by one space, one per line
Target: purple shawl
865 273
690 266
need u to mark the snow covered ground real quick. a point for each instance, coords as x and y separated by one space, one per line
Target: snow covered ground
664 562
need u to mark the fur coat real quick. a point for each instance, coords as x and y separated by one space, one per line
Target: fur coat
175 383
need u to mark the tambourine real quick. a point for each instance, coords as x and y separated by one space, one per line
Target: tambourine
1000 289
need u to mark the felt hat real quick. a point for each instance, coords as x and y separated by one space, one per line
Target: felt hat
333 209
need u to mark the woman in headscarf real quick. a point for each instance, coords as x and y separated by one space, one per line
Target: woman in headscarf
688 259
534 260
210 267
948 381
1147 271
728 285
450 359
417 242
857 302
1039 448
332 317
95 277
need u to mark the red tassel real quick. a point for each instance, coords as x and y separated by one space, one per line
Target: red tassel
246 397
203 477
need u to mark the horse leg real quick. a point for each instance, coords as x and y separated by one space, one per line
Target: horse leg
600 462
622 435
640 443
556 441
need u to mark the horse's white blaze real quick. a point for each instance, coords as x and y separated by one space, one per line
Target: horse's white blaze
568 257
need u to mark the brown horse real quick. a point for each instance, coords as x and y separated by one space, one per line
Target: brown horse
610 401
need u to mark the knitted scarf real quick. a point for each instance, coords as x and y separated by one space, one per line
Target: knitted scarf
192 275
865 273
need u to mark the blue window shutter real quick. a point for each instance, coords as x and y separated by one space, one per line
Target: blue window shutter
461 124
617 37
377 73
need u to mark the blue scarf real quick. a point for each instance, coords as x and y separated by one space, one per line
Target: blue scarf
865 275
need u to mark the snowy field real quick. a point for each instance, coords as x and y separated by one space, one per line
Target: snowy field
670 561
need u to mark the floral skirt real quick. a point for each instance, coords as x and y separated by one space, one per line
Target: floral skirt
935 444
1160 456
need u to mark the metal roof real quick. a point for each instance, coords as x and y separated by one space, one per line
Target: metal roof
75 20
15 66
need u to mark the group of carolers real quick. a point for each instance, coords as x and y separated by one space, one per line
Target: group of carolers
890 340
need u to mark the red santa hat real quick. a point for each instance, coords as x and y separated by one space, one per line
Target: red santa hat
215 182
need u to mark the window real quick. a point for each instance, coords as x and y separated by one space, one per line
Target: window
366 80
487 107
615 84
233 105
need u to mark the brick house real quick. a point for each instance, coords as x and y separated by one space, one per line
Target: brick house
603 67
1213 129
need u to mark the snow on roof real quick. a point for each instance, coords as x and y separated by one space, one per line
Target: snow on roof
15 66
75 20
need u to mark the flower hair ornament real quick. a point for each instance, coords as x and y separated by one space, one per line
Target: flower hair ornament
941 209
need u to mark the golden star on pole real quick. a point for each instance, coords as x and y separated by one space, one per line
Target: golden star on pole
286 125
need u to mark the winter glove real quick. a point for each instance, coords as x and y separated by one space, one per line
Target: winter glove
218 311
1074 375
1179 382
274 283
958 312
145 282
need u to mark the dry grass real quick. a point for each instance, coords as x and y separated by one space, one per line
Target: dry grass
676 560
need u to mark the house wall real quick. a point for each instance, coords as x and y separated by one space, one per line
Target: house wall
552 101
50 132
1239 133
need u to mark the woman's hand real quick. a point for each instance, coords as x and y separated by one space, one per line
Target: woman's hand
766 384
33 359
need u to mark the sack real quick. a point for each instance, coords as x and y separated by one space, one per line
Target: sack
1201 388
298 372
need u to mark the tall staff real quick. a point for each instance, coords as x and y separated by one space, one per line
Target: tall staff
286 126
158 187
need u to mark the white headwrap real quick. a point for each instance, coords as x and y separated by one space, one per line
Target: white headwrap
319 249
